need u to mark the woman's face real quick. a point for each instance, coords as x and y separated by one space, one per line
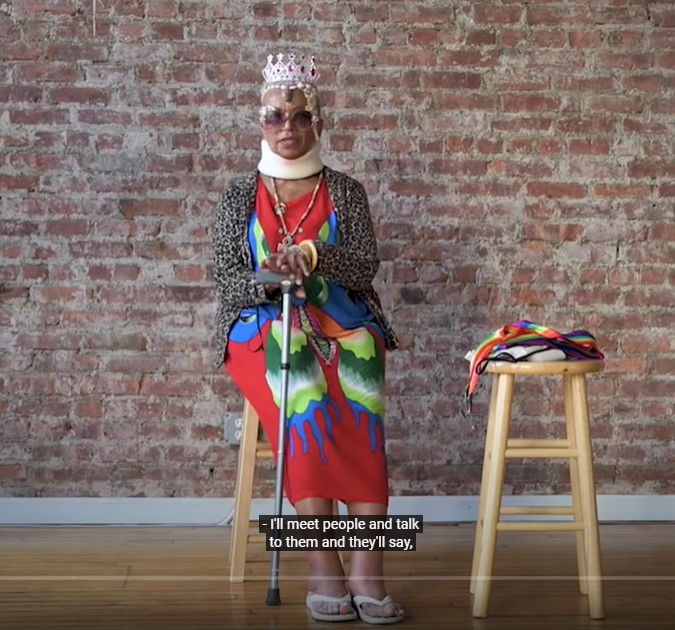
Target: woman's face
287 125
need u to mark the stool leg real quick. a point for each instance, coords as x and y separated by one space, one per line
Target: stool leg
494 487
587 493
574 484
243 493
483 485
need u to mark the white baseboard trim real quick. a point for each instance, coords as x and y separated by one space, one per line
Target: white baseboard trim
214 512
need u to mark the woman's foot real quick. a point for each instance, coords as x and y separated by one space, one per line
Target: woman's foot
383 606
366 583
328 598
331 593
372 602
327 588
330 608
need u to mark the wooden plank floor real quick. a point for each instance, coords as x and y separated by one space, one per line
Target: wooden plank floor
170 578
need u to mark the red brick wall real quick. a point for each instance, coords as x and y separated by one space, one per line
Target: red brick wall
519 160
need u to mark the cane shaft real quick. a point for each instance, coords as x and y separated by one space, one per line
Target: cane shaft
273 598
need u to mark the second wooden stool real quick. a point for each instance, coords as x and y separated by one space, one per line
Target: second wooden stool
576 448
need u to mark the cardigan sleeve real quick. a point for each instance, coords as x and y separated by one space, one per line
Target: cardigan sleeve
353 262
233 269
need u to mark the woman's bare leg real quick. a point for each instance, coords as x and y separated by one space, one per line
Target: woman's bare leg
366 568
326 575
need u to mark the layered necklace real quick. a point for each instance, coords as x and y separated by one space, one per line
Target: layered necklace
280 211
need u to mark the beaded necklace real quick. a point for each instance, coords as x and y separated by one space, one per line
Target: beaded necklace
280 210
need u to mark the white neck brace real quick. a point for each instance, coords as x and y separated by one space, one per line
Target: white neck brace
274 165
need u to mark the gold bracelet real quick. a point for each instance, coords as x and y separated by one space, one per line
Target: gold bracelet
309 249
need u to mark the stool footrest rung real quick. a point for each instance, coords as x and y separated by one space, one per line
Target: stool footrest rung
540 526
534 510
548 443
263 451
543 453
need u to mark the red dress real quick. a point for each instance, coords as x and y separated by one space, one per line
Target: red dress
335 428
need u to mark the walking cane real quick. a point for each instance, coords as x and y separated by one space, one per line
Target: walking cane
287 287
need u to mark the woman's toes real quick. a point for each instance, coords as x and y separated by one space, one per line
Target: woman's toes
331 604
391 609
332 608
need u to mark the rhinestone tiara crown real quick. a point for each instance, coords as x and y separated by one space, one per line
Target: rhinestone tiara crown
294 71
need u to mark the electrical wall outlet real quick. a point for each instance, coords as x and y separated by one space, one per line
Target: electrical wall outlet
232 426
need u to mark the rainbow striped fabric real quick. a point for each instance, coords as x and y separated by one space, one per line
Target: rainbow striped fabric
578 345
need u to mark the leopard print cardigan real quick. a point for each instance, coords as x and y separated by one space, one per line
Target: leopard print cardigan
352 263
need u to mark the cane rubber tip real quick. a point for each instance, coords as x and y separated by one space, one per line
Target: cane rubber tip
273 598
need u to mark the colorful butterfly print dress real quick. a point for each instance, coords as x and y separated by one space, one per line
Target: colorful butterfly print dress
335 430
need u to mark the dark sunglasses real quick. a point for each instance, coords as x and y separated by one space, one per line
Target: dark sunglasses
276 119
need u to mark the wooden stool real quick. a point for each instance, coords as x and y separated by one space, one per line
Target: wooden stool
576 448
251 450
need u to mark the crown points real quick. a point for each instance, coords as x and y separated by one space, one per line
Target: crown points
292 71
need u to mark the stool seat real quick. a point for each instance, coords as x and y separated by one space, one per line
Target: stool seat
545 368
576 448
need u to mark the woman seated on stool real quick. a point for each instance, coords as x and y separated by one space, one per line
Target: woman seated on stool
300 218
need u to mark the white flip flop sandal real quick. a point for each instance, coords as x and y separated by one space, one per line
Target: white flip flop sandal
360 600
314 598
